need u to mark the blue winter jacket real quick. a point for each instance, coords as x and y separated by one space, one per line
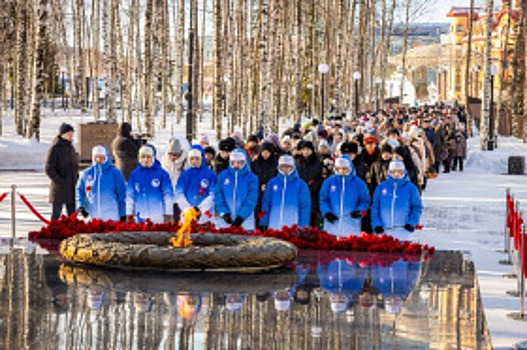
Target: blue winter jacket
286 201
237 194
342 195
398 279
195 187
341 276
101 191
149 193
396 202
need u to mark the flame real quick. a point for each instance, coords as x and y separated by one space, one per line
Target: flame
183 234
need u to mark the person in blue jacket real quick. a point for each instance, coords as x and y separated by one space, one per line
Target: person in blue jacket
395 282
195 187
396 206
342 279
149 193
236 195
286 200
344 198
101 189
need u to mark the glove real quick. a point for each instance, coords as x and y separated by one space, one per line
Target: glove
83 212
199 212
409 228
167 219
227 218
331 217
378 229
356 214
123 218
263 228
238 221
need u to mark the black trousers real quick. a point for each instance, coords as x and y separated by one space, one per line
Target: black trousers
458 160
57 209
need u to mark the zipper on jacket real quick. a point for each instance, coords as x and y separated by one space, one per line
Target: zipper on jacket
99 169
342 204
394 196
234 195
283 203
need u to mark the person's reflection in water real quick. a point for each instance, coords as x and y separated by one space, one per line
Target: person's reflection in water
302 295
234 302
339 302
142 302
188 305
59 289
282 300
262 297
96 296
395 282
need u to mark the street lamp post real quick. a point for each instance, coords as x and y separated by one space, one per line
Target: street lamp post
63 85
311 95
323 69
378 82
490 141
356 78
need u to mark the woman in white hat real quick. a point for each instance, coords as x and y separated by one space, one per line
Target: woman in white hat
396 206
286 200
101 189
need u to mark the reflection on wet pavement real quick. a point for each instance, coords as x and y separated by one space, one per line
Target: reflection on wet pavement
329 300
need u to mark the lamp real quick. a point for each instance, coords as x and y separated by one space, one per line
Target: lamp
356 77
63 85
323 69
490 141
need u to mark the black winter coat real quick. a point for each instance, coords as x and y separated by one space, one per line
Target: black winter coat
378 173
62 167
220 164
265 170
125 152
361 169
310 170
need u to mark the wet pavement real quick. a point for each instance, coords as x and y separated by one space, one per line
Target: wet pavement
324 300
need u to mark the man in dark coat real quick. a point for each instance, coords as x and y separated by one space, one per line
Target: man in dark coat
351 149
221 162
309 168
265 167
125 150
62 167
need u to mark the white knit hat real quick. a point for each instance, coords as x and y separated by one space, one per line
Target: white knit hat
342 162
237 156
396 165
194 153
146 150
286 160
98 150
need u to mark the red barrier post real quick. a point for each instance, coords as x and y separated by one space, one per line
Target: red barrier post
522 272
508 201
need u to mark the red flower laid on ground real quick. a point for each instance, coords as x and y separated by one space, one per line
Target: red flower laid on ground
301 237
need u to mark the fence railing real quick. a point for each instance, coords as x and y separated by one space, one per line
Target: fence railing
515 246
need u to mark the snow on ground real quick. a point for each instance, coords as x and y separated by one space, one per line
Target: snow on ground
463 210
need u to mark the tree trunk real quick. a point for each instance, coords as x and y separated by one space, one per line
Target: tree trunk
485 115
518 83
219 97
405 50
467 69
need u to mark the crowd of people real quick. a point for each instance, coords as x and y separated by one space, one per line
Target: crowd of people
345 175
